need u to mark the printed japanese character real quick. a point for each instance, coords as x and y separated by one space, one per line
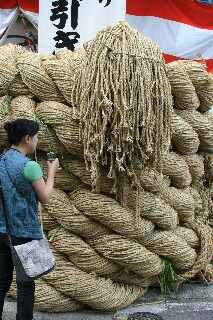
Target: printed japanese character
64 41
74 13
58 13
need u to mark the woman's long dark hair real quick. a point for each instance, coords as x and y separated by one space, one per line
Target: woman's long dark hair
19 128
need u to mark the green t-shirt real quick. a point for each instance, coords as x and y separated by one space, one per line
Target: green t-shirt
32 171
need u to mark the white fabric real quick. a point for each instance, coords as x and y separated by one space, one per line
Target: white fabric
31 16
182 40
7 18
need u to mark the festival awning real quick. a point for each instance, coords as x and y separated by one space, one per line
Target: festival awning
9 11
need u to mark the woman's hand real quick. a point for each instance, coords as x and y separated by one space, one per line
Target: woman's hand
53 166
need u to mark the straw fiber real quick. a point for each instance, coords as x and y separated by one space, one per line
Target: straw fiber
177 169
96 292
184 137
10 79
128 253
202 125
64 211
183 203
196 168
127 111
109 212
135 190
150 207
64 69
171 246
36 79
81 253
184 93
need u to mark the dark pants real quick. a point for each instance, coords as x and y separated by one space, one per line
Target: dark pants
25 291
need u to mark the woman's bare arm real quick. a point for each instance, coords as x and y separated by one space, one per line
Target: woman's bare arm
44 189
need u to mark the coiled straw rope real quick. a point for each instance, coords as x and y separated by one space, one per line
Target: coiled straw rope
154 208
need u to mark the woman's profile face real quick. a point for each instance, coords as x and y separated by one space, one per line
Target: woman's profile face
33 141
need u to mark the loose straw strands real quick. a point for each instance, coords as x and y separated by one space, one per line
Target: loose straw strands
184 137
78 167
36 79
57 119
128 253
124 99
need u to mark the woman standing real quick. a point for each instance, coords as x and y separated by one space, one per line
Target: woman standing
23 186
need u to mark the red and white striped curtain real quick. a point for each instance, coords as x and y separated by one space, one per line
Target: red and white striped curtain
9 11
181 28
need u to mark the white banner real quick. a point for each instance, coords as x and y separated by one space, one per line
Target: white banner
68 24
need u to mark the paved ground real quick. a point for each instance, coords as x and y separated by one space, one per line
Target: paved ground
195 302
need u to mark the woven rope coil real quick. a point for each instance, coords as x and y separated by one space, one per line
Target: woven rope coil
109 212
128 253
10 79
36 79
48 221
64 69
184 93
183 203
201 124
204 255
196 168
64 211
150 207
189 235
184 137
4 107
177 169
169 245
202 82
123 246
64 178
97 292
81 253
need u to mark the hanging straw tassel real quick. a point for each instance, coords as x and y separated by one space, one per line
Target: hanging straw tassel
125 101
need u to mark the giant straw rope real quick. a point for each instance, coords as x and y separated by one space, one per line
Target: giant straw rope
134 195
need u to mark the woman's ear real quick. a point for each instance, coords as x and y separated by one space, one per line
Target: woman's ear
27 139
